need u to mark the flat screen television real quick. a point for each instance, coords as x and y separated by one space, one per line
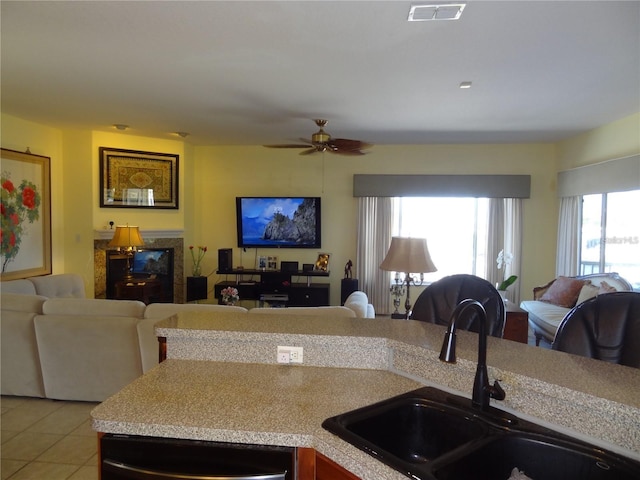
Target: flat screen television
153 261
278 222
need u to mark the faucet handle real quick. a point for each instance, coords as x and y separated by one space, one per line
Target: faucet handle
496 391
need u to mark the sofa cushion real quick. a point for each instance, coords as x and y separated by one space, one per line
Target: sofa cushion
563 292
94 306
18 286
341 312
17 302
20 363
358 302
586 292
64 285
544 317
164 310
606 288
87 359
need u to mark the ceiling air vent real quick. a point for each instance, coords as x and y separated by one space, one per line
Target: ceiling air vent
442 11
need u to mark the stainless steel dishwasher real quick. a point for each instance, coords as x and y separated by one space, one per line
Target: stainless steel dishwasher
151 458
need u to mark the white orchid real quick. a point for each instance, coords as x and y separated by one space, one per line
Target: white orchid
505 259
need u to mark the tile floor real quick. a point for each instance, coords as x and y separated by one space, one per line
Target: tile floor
47 440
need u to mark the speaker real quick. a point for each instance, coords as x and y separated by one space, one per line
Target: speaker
225 260
347 287
289 267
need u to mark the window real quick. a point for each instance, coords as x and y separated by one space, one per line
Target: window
455 229
610 235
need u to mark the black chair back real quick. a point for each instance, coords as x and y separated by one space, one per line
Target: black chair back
436 303
606 327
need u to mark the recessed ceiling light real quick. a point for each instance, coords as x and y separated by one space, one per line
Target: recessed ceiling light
121 126
440 11
465 85
182 134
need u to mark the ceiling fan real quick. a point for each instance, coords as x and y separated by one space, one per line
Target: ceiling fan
321 141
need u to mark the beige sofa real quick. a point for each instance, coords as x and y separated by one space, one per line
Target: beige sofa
72 348
549 307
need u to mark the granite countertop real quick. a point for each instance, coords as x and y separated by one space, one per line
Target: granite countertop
221 382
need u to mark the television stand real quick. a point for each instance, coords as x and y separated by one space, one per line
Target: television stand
277 282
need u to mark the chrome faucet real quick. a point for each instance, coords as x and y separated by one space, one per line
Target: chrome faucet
482 391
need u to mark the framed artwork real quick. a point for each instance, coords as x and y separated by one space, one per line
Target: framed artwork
134 179
25 215
272 262
322 263
262 262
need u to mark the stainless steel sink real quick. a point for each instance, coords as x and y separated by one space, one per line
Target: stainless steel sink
429 434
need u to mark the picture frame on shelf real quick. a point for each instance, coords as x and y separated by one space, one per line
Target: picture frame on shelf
137 179
272 262
262 262
322 263
26 215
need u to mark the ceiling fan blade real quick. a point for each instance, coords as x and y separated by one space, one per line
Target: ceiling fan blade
287 145
346 146
309 151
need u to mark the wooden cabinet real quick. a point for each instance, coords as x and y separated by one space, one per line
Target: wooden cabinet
315 466
327 469
516 325
147 291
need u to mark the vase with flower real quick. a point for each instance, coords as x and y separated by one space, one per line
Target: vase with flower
505 259
196 257
230 296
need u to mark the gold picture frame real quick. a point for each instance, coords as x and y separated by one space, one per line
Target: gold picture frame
136 179
26 215
322 263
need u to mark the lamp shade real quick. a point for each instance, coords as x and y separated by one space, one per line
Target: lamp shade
409 255
126 237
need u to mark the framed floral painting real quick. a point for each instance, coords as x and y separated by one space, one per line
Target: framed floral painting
25 214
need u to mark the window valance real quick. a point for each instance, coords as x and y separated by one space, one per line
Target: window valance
619 175
488 186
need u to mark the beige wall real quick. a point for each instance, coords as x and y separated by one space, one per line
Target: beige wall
222 173
616 140
211 178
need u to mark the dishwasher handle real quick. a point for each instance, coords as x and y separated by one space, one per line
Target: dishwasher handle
146 474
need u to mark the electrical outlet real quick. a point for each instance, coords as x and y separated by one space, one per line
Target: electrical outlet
290 355
284 355
296 355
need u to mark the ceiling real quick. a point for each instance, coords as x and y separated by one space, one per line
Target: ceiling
252 73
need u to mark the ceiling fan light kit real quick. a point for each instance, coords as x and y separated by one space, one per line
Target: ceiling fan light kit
321 141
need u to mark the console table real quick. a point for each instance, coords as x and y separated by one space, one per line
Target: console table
253 284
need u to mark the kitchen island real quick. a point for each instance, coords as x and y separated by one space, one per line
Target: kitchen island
221 382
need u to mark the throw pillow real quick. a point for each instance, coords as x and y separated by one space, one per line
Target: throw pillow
606 288
563 292
586 292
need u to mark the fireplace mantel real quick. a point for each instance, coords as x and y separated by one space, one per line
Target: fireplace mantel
107 234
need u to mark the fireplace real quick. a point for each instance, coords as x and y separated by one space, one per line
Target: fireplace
153 240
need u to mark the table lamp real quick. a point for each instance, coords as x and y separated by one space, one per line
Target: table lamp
408 255
126 238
